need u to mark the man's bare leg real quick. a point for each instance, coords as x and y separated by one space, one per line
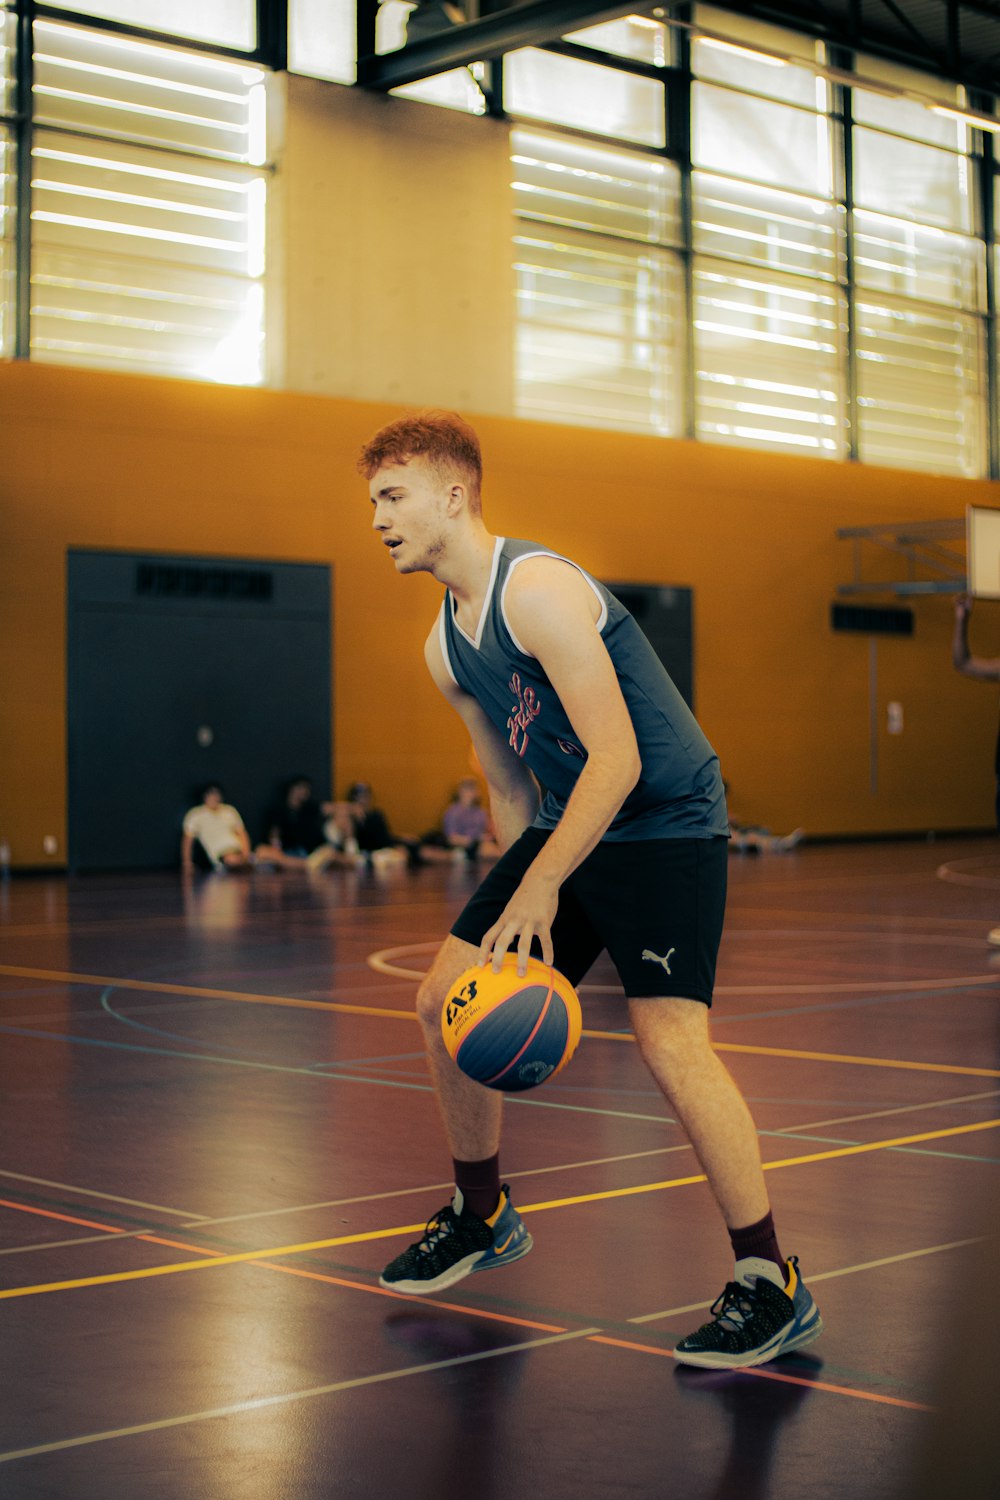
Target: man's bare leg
471 1113
488 1231
673 1037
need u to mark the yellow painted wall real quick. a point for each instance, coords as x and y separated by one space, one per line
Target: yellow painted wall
396 224
97 460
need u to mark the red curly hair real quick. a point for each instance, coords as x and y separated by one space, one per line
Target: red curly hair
447 442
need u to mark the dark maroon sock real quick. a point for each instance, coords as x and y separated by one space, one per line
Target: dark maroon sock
758 1239
479 1184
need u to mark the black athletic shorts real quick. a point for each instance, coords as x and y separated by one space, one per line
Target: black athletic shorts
656 905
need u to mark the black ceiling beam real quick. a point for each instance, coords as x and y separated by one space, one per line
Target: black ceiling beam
530 25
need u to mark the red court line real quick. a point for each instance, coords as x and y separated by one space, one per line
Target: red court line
150 1239
762 1374
476 1312
46 1213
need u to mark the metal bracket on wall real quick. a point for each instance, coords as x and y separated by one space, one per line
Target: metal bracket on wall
932 565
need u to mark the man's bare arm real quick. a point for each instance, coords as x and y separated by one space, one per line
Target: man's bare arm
985 668
512 788
553 611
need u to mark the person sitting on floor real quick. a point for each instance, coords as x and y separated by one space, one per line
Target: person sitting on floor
466 832
214 831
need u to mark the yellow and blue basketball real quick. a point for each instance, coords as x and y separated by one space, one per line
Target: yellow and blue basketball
509 1032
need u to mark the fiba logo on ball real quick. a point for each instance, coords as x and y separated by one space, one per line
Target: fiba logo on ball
510 1031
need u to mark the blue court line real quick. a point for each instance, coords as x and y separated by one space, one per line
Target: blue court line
423 1088
176 1036
239 1062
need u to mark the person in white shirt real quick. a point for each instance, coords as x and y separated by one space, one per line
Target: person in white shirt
219 829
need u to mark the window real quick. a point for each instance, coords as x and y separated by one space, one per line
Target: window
584 95
148 208
322 38
921 386
7 185
769 315
768 360
223 23
600 296
637 37
921 282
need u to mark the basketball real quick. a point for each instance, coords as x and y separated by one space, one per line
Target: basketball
511 1033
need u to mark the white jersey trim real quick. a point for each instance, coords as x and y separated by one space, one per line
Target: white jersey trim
484 613
602 619
443 639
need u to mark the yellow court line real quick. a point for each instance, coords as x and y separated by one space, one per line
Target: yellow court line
157 987
245 1256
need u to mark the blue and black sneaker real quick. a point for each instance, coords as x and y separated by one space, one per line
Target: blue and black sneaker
455 1242
754 1320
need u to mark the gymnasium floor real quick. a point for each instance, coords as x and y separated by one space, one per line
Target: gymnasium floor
215 1129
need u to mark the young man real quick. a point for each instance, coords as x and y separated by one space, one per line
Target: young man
218 828
985 669
626 851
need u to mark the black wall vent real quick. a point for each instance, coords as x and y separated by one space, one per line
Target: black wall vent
872 619
189 581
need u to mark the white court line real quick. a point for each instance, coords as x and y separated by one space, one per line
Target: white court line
382 962
434 1187
881 1114
951 871
867 1265
262 1402
82 1192
204 1221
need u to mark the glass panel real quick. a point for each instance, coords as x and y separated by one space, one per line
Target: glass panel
145 260
720 63
911 260
8 40
729 57
584 95
753 138
637 37
769 357
390 24
117 86
92 195
559 180
227 23
8 223
921 387
124 313
322 39
600 336
753 33
908 116
905 117
912 181
767 226
457 89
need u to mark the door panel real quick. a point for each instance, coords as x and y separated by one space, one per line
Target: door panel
186 670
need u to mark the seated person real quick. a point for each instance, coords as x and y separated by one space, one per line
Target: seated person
748 838
215 830
465 832
295 828
366 829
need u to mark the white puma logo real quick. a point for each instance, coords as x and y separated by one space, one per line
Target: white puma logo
656 959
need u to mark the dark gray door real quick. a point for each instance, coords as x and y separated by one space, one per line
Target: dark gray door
664 615
183 670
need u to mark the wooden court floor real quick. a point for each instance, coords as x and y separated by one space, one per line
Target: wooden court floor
216 1128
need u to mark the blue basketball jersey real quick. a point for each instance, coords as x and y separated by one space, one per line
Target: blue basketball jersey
679 793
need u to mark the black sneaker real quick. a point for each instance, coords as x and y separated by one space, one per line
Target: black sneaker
455 1242
754 1321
